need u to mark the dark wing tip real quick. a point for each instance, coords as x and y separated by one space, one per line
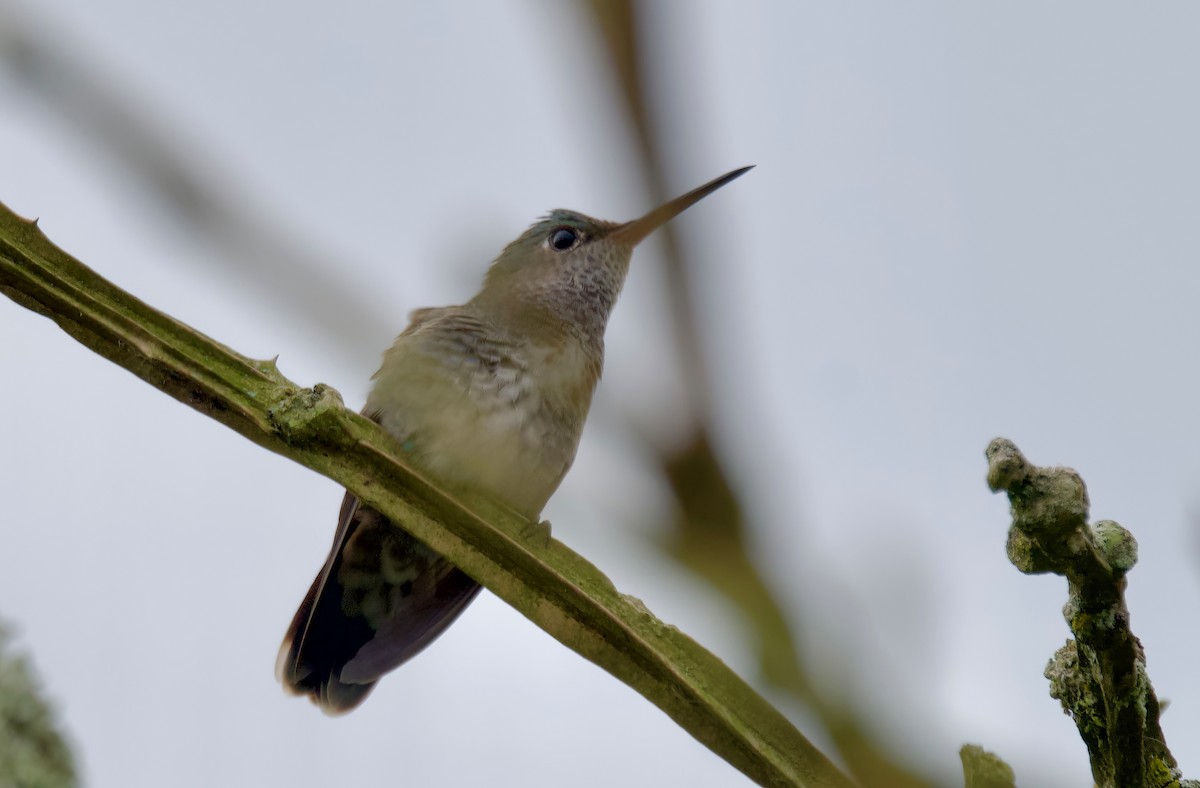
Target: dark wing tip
320 683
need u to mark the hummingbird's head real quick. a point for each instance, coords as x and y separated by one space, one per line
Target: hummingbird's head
567 270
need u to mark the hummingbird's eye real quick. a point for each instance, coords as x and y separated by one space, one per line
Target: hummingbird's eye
564 238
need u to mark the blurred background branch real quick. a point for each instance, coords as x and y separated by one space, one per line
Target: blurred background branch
710 534
982 769
200 196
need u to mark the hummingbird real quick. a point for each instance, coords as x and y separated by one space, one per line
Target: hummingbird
490 396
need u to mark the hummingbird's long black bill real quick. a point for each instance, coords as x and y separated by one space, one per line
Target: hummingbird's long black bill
635 232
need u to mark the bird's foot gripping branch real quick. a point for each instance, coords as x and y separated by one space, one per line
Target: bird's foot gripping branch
1100 676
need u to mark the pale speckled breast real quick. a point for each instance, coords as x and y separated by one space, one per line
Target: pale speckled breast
478 409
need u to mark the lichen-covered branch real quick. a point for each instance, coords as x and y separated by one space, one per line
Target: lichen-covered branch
1100 676
552 586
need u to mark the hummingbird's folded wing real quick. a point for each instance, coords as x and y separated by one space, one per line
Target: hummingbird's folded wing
381 598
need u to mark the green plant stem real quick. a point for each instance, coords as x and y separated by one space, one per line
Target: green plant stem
554 587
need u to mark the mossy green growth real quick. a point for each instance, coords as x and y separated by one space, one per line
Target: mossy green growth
311 415
1116 544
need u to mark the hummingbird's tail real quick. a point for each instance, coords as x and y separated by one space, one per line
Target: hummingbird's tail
381 598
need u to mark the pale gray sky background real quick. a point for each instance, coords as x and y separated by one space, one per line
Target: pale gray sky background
966 221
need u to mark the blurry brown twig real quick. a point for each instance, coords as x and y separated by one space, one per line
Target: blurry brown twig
710 535
290 276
